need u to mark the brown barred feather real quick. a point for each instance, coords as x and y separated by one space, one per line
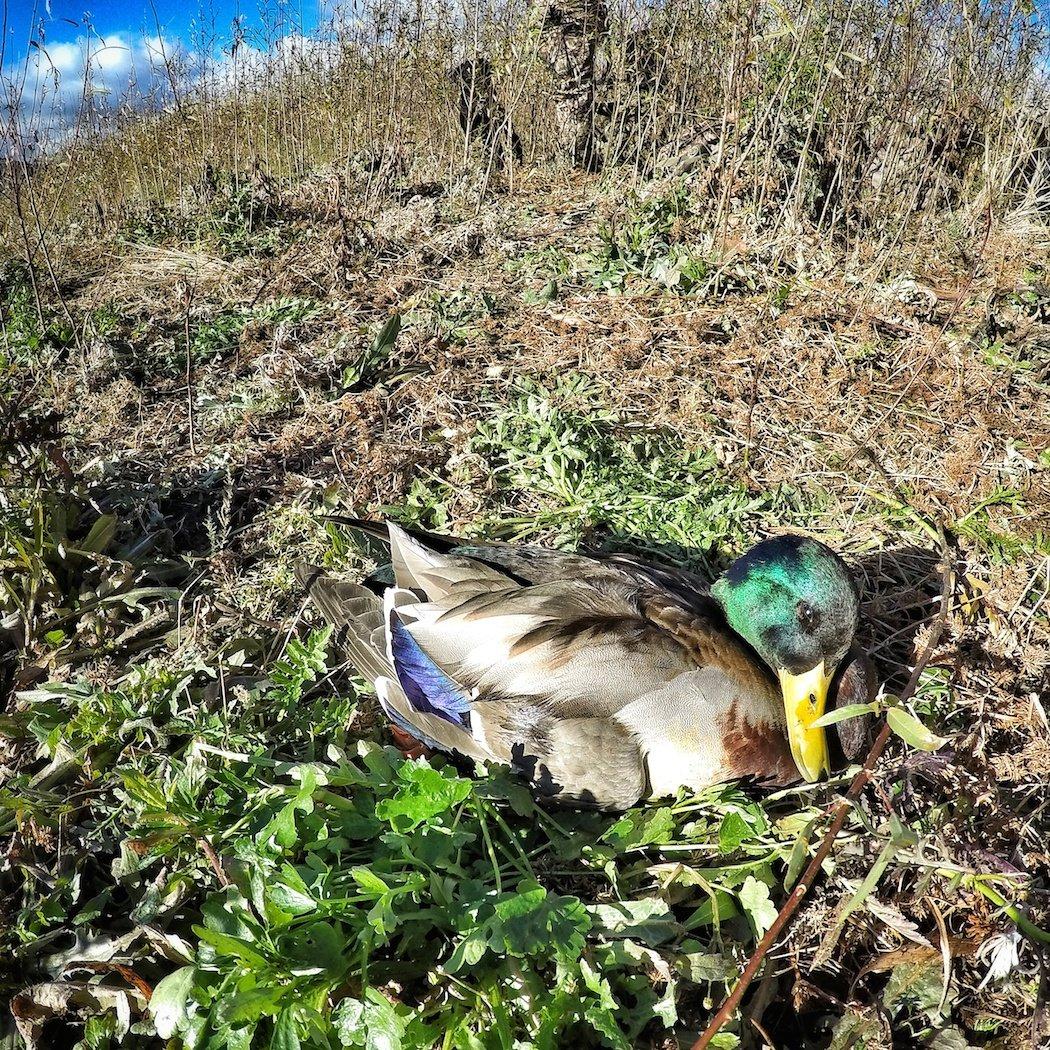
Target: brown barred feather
758 750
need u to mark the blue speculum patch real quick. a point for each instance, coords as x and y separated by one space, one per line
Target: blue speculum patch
427 687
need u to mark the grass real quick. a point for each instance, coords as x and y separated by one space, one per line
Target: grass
290 882
219 334
588 472
772 118
309 296
341 861
28 331
364 897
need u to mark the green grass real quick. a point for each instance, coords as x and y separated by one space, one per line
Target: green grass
291 883
27 334
652 245
560 466
369 894
230 217
220 333
573 469
978 526
454 317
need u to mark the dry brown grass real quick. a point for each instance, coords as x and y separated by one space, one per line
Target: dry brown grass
882 349
859 119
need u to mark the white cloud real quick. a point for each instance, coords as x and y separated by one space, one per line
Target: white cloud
90 77
95 77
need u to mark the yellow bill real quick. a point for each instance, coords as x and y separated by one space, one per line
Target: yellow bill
804 698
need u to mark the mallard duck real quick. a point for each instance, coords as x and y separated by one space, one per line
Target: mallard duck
605 680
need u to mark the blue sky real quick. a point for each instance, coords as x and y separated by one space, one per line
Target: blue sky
65 20
53 51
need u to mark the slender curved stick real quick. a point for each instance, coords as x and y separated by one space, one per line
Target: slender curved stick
860 781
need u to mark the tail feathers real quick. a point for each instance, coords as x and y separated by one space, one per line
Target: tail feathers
359 614
425 563
379 530
432 730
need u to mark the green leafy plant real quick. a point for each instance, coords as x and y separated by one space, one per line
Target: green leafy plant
26 332
367 368
455 317
585 468
218 335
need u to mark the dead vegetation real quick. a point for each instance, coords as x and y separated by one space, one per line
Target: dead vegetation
796 297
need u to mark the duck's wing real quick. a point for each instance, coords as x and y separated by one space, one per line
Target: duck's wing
527 563
588 760
581 646
362 632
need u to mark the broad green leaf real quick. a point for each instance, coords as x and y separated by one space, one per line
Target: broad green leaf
912 731
666 1007
369 881
349 1021
252 1004
950 1038
840 714
603 1014
921 981
168 1004
649 920
387 336
700 967
754 899
725 1041
533 920
100 535
285 1031
242 1038
500 784
372 1023
733 831
603 1020
290 900
226 944
856 1029
641 827
423 793
468 952
315 948
227 912
714 911
288 891
282 827
136 596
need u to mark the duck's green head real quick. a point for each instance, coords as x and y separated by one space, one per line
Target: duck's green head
794 601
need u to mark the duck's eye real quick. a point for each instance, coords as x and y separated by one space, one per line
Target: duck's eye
808 617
